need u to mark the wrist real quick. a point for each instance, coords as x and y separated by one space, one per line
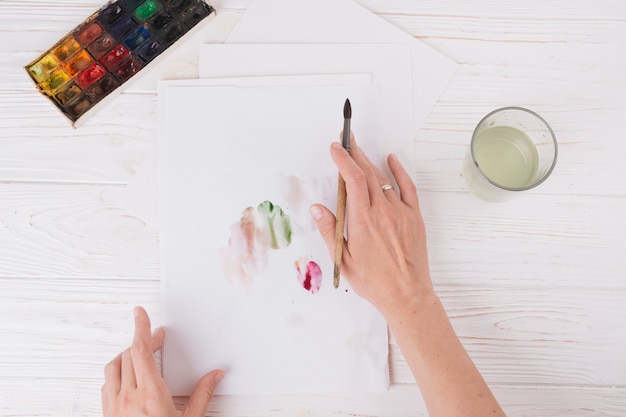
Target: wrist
412 309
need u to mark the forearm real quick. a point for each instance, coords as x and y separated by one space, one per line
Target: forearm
448 379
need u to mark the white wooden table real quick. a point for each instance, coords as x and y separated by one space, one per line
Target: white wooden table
535 287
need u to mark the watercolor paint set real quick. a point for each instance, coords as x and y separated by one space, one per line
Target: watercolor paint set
109 48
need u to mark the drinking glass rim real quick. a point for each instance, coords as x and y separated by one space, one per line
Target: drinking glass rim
552 135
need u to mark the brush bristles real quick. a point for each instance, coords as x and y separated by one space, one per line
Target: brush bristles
347 110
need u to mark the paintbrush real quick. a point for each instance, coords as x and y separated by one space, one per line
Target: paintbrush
341 196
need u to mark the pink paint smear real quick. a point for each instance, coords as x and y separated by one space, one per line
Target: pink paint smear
309 275
246 255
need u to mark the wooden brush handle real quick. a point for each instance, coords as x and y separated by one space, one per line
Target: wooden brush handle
339 226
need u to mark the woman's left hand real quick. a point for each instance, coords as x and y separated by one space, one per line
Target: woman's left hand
134 386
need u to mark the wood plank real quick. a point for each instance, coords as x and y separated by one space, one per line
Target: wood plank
405 400
557 336
80 397
577 46
77 231
533 240
39 145
66 328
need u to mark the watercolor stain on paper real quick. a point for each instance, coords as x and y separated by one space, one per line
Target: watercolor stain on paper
275 225
259 231
309 274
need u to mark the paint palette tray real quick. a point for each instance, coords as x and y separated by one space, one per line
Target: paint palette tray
109 48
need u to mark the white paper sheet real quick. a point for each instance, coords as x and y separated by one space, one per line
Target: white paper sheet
228 148
344 21
389 64
140 198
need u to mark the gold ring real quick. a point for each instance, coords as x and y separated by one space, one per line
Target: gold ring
387 187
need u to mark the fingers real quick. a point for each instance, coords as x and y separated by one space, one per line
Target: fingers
376 178
373 177
326 222
373 184
122 367
141 351
129 380
113 376
408 192
353 175
203 394
105 399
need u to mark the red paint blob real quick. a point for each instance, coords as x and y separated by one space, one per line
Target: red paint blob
307 280
92 74
309 275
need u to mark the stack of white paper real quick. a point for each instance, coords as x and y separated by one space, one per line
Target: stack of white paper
252 134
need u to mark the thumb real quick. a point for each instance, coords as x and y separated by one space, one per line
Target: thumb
203 394
325 221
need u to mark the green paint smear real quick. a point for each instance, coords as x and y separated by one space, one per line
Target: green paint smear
278 223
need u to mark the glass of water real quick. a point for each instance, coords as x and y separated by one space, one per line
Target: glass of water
512 149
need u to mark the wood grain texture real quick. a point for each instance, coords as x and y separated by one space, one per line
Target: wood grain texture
81 397
534 337
79 231
69 328
535 286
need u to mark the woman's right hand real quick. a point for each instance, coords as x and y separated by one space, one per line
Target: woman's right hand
385 258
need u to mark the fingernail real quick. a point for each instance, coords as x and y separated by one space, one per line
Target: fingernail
336 145
136 312
316 213
219 377
393 156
